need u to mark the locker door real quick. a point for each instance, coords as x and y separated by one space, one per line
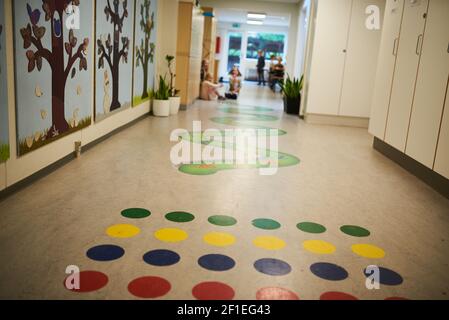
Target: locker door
385 67
431 85
409 52
361 62
442 158
328 59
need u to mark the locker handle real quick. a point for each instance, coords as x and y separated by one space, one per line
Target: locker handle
394 46
418 44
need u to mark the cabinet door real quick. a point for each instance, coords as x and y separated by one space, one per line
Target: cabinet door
442 158
331 34
430 86
409 52
361 62
385 67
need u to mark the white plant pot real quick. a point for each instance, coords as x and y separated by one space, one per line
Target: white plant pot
175 102
161 108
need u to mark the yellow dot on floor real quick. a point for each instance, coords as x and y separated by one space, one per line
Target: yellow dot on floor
269 243
219 239
368 251
171 235
319 246
123 231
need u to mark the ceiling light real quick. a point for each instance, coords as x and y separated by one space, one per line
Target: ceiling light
255 22
257 16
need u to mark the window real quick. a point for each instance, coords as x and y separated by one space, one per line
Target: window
271 43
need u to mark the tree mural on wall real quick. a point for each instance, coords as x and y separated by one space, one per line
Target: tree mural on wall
109 49
32 36
145 53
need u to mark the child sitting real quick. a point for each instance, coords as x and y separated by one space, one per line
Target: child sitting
235 84
209 90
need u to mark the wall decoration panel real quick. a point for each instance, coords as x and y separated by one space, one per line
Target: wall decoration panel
145 47
4 129
53 64
113 60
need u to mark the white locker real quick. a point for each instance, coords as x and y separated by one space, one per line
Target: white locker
361 61
408 56
442 156
385 67
431 85
331 34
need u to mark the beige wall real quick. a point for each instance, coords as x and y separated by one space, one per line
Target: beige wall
16 169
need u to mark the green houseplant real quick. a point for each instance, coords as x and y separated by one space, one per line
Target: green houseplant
161 102
291 89
175 100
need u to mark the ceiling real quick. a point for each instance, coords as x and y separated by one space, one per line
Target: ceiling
240 16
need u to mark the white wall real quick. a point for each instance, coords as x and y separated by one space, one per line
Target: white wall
270 7
301 43
16 169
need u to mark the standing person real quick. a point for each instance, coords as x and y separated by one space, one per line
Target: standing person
261 68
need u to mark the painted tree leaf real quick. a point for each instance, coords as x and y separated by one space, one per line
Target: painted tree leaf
83 64
39 32
30 55
39 62
73 73
101 63
31 65
68 48
72 39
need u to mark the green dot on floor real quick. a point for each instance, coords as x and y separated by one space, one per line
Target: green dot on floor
136 213
355 231
179 216
266 224
222 221
311 227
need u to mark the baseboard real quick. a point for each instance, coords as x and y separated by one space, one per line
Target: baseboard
322 119
10 190
427 175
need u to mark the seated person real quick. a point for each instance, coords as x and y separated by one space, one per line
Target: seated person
273 63
278 73
209 90
235 83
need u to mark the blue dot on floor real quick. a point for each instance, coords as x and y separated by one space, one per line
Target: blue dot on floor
161 258
328 271
272 267
107 252
216 262
386 277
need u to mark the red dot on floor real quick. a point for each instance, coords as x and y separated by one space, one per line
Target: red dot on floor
213 291
88 281
337 296
149 287
275 294
396 298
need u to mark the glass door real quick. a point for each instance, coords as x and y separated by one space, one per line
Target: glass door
234 49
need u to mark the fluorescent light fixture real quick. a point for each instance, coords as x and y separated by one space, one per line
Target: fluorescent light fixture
257 16
255 22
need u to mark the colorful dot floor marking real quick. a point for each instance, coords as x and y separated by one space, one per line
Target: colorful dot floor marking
90 281
222 221
311 227
161 258
123 231
368 251
213 291
180 217
387 277
269 243
171 235
219 239
319 247
106 252
216 262
272 267
149 287
329 271
355 231
136 213
337 296
266 224
275 294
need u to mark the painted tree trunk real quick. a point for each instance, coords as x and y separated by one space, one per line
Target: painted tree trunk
115 71
145 70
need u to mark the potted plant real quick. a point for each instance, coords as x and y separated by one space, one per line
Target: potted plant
291 89
161 102
175 100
